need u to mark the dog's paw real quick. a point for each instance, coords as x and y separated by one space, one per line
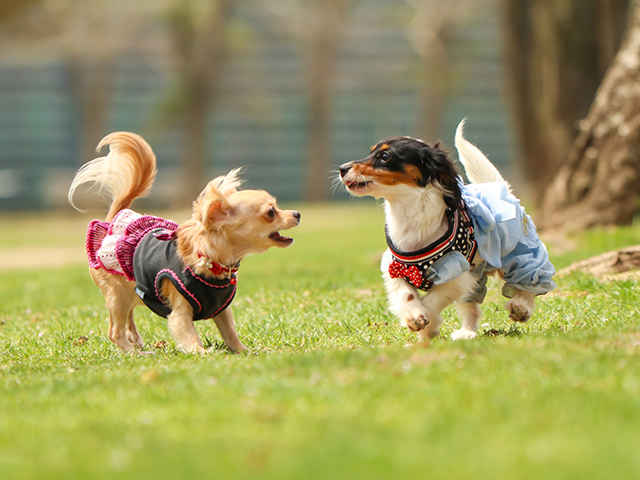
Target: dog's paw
145 352
416 320
518 311
463 334
192 349
240 349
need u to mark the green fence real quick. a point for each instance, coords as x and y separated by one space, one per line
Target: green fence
260 121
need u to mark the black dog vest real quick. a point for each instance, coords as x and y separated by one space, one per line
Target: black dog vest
156 258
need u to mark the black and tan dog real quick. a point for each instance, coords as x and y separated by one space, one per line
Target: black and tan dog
444 237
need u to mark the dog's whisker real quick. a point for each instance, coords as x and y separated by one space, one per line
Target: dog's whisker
335 184
335 181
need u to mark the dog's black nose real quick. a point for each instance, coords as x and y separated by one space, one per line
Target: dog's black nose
297 216
344 169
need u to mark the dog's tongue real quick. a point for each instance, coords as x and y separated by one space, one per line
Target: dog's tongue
276 237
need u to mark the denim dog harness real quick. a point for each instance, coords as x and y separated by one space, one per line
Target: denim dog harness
156 258
417 267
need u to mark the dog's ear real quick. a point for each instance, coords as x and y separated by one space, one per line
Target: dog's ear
211 208
441 172
217 213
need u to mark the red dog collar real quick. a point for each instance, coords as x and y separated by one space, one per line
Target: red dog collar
218 268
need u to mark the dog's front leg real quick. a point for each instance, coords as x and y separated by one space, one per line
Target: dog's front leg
180 321
404 302
226 325
403 299
443 295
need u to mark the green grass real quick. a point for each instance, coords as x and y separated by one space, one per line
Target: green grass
329 389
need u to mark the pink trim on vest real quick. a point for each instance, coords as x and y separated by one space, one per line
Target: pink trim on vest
96 231
226 304
198 277
135 231
175 277
126 244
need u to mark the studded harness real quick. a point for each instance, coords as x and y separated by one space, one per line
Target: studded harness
416 267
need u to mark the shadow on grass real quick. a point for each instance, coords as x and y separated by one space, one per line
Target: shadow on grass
497 332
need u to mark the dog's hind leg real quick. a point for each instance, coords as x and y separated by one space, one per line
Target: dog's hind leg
521 305
120 298
118 331
132 331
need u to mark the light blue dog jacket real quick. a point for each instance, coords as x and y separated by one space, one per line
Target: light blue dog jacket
506 240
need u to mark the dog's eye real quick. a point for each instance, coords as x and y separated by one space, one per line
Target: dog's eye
385 156
271 213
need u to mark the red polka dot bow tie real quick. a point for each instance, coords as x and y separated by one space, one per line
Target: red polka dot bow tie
411 273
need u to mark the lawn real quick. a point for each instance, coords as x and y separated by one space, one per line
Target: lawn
331 387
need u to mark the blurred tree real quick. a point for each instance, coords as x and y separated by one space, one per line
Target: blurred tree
10 8
323 39
88 36
432 33
92 89
556 54
199 35
318 27
600 182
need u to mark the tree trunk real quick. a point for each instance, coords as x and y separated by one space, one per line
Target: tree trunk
11 8
194 153
434 90
617 261
202 51
325 33
556 52
600 182
319 146
91 88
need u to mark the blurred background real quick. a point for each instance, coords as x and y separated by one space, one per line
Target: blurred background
292 88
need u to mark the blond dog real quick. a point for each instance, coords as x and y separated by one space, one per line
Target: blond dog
184 272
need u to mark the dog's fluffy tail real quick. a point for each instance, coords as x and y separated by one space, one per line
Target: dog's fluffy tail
477 166
124 174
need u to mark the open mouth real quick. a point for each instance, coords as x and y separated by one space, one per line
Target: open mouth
281 239
357 185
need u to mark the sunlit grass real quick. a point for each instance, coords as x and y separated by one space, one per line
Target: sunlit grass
329 388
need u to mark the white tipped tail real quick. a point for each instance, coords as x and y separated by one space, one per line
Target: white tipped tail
477 166
124 174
